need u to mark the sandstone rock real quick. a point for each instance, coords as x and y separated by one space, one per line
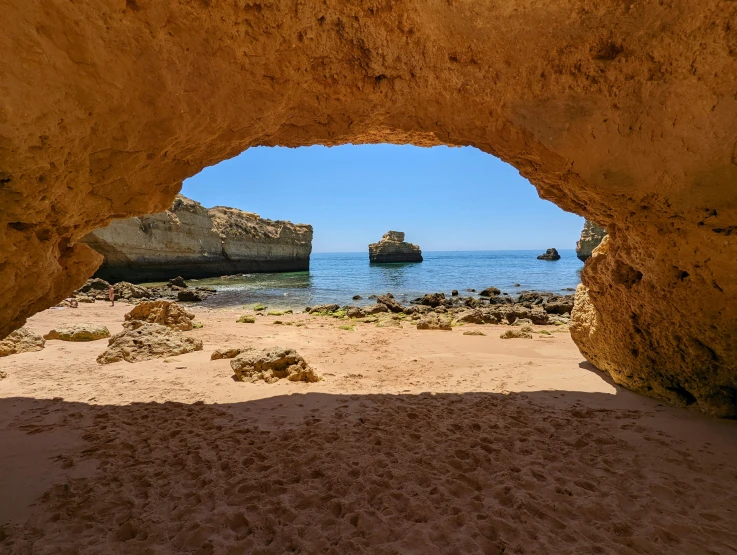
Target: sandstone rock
434 322
432 299
93 286
228 352
522 322
591 237
146 342
165 313
516 334
126 290
193 241
550 254
272 364
323 309
393 248
490 292
187 295
375 308
246 319
78 332
85 299
576 111
473 332
470 317
21 340
389 302
355 312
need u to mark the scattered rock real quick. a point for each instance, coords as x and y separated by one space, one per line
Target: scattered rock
177 282
271 365
128 291
454 293
146 342
490 292
246 319
166 313
388 323
389 302
375 308
85 299
357 297
522 322
94 285
432 300
323 309
355 312
516 334
517 285
3 375
433 322
78 332
393 248
474 332
187 295
228 352
470 317
372 297
550 254
21 340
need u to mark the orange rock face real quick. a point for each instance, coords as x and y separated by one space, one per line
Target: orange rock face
624 112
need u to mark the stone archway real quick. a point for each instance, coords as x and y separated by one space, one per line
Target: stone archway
622 111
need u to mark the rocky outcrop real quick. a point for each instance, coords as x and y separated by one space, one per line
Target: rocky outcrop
622 112
21 340
272 364
591 236
78 332
164 313
190 241
550 254
393 248
146 342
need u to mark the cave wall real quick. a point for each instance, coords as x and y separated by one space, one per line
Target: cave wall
622 111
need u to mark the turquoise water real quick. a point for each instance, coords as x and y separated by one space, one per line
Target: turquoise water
336 277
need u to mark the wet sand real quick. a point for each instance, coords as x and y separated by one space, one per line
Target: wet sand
415 442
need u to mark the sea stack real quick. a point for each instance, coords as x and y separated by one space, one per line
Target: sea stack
591 236
192 241
550 254
393 248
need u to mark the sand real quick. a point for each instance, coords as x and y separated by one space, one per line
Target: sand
414 442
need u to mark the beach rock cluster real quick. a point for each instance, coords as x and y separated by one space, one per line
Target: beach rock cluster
78 332
393 248
270 365
97 289
21 340
192 241
591 236
165 313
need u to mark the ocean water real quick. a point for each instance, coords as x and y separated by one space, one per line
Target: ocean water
337 277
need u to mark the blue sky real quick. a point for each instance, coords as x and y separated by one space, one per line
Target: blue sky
442 198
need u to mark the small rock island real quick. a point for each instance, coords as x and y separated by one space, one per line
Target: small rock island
550 254
393 248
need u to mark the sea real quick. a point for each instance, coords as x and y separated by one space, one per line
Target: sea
337 277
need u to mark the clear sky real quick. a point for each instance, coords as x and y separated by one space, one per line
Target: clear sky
442 198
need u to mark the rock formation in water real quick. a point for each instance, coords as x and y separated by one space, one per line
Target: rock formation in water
550 254
191 241
393 248
622 112
591 236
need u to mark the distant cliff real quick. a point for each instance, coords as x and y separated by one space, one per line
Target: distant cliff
191 241
591 236
393 248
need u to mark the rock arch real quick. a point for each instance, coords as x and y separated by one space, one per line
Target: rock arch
622 111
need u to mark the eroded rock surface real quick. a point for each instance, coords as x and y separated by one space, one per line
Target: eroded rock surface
188 240
166 313
78 332
272 364
146 342
21 340
591 236
624 113
393 248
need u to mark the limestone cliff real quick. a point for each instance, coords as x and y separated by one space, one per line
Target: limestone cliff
393 248
191 241
591 236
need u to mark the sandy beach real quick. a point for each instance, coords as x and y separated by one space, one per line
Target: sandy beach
415 441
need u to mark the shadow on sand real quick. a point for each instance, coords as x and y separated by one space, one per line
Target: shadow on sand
543 472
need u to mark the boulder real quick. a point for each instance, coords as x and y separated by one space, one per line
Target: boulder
355 312
470 317
94 285
272 364
166 313
389 302
228 352
78 332
187 295
21 340
323 309
177 282
490 292
473 332
516 334
357 297
126 290
146 342
375 308
246 319
454 293
550 254
522 322
434 322
432 300
393 248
